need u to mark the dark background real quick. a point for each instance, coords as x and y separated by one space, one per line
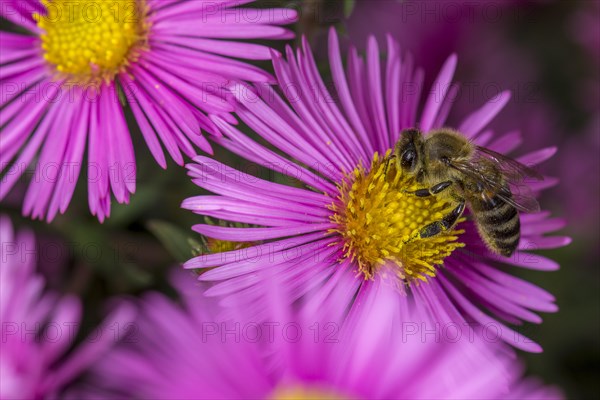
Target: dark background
547 52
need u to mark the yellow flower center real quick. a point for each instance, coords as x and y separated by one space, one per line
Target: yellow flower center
305 393
380 222
91 40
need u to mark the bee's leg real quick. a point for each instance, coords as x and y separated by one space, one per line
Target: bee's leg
435 189
450 219
444 224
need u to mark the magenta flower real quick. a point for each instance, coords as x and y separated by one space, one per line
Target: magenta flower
345 214
313 354
64 82
39 327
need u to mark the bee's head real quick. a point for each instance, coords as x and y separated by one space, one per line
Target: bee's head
408 150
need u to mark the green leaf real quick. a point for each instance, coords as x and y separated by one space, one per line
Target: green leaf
136 276
140 204
173 238
349 7
121 95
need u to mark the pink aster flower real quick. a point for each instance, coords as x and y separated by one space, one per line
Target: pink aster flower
346 213
64 82
39 326
309 354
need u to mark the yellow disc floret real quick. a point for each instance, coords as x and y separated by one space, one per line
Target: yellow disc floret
90 40
379 221
297 392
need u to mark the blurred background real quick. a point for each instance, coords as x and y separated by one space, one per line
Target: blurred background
546 52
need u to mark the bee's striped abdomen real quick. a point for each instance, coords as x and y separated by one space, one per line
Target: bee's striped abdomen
498 224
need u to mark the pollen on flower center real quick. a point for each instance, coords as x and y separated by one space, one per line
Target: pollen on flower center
303 392
380 221
92 39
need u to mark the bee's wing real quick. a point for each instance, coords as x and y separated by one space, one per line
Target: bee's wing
475 171
518 195
513 170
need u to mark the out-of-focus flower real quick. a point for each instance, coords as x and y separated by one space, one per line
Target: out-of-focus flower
579 150
307 354
585 28
39 327
490 60
579 161
63 84
352 215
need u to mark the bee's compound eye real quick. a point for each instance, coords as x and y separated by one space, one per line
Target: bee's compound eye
409 159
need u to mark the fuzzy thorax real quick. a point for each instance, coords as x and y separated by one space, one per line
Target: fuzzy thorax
379 222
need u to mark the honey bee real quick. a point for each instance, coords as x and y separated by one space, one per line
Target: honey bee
447 163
